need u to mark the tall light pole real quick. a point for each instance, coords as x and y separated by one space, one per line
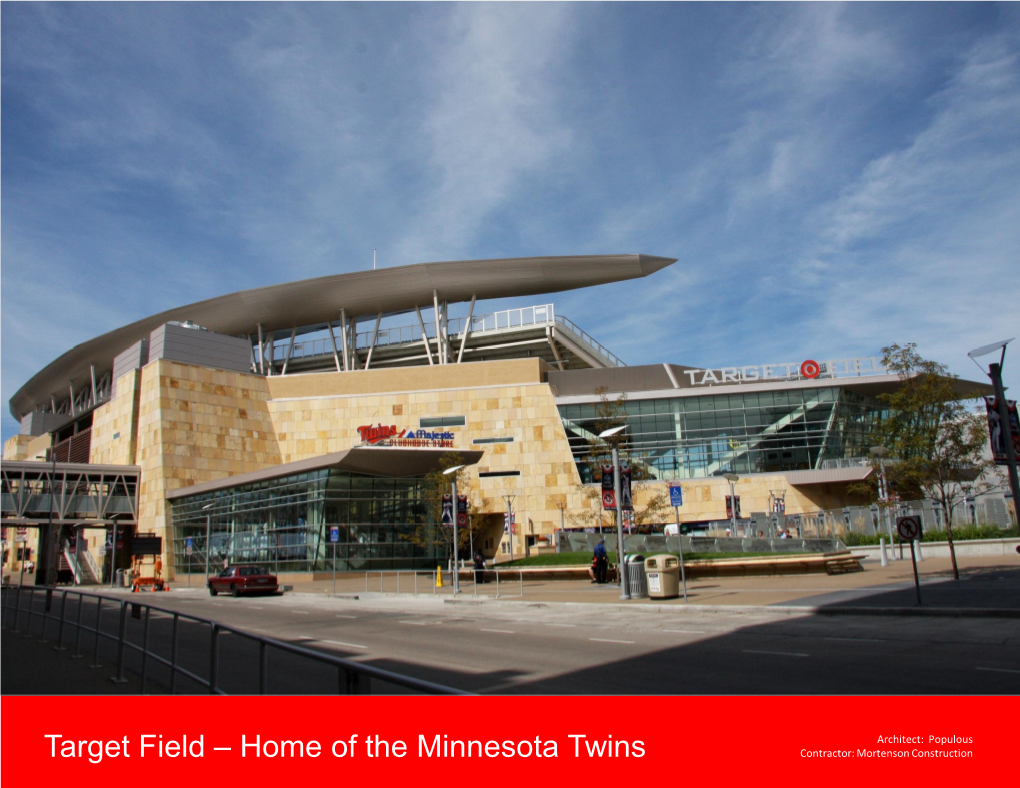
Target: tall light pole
732 478
620 552
995 373
208 536
452 472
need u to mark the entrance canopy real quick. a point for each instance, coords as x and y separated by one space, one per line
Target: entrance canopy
392 462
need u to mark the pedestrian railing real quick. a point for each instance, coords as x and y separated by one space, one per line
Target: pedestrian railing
503 582
26 607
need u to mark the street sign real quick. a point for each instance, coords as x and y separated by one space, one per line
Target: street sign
676 495
334 533
908 527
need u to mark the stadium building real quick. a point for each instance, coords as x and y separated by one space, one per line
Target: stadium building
280 417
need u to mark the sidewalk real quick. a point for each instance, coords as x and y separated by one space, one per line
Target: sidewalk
986 582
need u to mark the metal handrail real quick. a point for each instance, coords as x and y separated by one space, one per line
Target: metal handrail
354 678
599 348
432 574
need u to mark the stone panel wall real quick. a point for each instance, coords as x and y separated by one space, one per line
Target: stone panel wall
115 423
197 424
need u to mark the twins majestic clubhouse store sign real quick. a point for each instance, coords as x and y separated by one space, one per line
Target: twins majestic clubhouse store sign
382 435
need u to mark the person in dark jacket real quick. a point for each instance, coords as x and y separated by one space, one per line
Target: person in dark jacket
479 567
601 561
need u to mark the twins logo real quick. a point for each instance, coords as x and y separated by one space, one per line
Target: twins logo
370 434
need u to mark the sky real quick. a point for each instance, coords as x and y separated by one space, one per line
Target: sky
831 178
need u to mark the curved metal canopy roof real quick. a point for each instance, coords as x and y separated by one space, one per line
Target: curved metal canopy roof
311 301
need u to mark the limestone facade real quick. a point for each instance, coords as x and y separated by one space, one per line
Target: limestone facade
186 424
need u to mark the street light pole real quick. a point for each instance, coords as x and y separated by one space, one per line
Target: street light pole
995 373
732 478
452 472
208 537
621 553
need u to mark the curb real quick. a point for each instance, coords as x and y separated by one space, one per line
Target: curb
790 610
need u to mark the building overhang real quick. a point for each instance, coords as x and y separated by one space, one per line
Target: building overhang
385 461
828 476
314 301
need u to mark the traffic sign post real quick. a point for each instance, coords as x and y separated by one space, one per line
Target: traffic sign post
334 537
676 500
910 529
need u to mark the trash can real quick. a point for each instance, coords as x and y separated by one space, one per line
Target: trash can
662 573
636 584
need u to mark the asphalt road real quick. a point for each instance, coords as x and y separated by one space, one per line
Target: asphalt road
528 648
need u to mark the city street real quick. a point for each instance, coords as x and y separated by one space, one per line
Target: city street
539 647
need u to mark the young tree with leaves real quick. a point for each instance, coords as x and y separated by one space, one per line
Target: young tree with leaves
430 532
608 414
935 443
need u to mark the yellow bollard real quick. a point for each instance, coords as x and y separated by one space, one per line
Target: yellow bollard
439 577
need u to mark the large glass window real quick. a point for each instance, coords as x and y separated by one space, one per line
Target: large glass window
743 433
285 525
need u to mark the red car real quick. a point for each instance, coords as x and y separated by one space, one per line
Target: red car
241 579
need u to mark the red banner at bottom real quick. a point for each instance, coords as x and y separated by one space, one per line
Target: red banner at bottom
503 740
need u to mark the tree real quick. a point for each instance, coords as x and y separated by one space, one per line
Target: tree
935 444
429 531
608 414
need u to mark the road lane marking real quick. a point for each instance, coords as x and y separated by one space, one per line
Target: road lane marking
346 616
561 625
341 643
299 612
500 631
607 640
255 607
1000 670
415 623
859 640
776 653
686 631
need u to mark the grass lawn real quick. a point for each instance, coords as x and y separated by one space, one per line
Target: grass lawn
583 558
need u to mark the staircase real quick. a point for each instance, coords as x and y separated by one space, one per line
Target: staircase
81 564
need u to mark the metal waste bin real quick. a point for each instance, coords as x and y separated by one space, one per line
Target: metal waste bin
662 573
636 584
123 578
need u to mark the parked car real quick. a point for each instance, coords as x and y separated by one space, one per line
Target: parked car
240 579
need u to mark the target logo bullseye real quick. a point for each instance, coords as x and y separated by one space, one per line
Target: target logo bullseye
810 369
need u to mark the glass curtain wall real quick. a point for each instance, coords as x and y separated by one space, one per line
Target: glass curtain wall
284 524
691 437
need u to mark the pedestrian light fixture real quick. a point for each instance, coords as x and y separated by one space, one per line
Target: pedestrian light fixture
995 373
456 554
732 478
620 553
208 535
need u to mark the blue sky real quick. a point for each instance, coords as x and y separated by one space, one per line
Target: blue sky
832 178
